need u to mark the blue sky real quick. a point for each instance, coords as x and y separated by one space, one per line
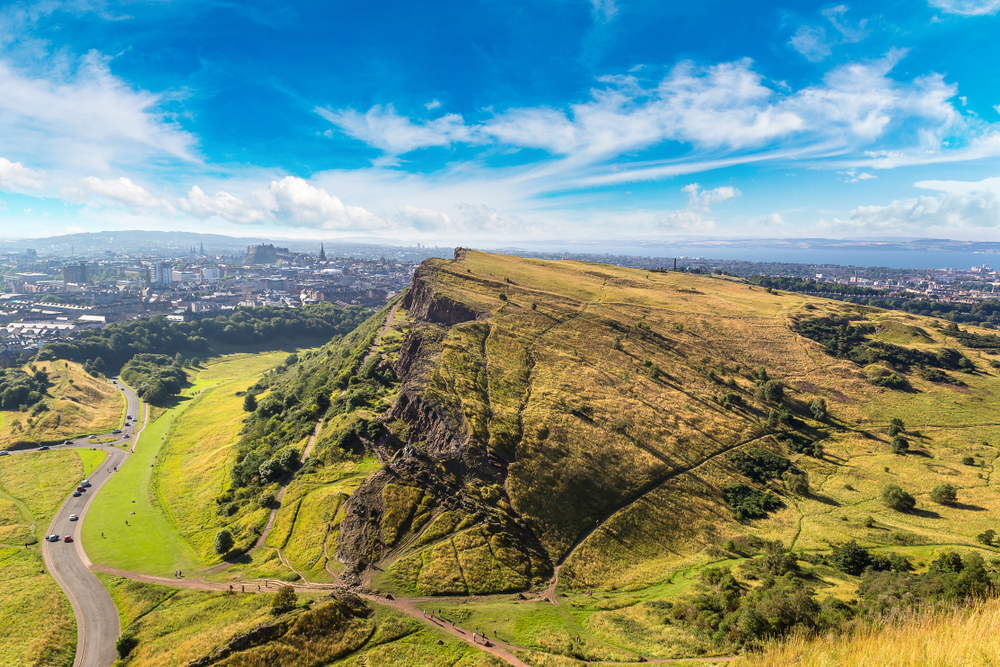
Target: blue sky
476 122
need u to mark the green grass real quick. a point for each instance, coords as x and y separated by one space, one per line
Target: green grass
92 459
36 621
32 486
172 530
149 543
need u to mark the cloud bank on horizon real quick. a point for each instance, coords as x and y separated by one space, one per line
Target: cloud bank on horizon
480 123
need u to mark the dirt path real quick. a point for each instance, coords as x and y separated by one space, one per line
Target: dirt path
493 647
378 339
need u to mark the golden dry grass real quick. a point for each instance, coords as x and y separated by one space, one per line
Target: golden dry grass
967 636
77 403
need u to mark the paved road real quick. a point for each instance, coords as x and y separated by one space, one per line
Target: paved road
97 621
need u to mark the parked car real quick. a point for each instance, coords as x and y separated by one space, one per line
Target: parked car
52 538
68 442
43 448
85 483
81 488
128 416
76 494
73 517
68 538
4 452
116 431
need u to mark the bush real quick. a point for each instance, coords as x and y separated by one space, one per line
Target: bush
798 483
883 377
223 542
900 445
968 460
851 558
771 391
284 600
759 464
986 537
503 296
749 503
126 642
894 497
944 494
249 403
818 408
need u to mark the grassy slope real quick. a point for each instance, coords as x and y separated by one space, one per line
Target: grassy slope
590 408
36 621
78 404
938 638
155 541
193 465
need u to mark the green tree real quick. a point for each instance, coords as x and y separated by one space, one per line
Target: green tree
900 445
851 558
798 483
771 391
249 403
894 497
818 408
986 537
284 600
223 541
944 494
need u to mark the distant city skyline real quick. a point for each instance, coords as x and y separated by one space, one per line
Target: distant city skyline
478 123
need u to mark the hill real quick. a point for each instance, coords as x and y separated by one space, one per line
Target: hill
690 463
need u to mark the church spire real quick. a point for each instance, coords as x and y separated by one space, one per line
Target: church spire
322 253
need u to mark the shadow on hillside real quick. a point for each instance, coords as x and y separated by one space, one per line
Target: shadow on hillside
925 514
826 500
921 452
971 508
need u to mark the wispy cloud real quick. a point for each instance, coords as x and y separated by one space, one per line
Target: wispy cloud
697 215
967 7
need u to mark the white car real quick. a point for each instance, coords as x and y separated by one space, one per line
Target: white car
52 538
73 517
85 483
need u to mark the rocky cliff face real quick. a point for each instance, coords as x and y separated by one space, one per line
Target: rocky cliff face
439 456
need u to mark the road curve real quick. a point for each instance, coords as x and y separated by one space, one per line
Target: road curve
97 620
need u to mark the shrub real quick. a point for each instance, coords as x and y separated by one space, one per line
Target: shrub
223 541
749 503
126 642
284 600
759 464
851 558
503 296
818 408
894 497
944 494
986 537
900 445
883 377
249 403
771 391
617 345
968 460
798 483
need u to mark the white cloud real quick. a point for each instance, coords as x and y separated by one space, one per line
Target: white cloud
849 33
123 190
383 128
483 218
294 201
967 7
811 42
425 219
14 176
221 204
433 104
79 115
960 205
697 215
603 10
852 175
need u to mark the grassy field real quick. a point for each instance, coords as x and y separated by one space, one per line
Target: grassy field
77 404
968 635
171 480
36 621
33 485
192 468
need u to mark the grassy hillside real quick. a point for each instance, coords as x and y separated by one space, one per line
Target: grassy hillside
702 463
74 405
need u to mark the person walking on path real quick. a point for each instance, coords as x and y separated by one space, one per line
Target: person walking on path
474 638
